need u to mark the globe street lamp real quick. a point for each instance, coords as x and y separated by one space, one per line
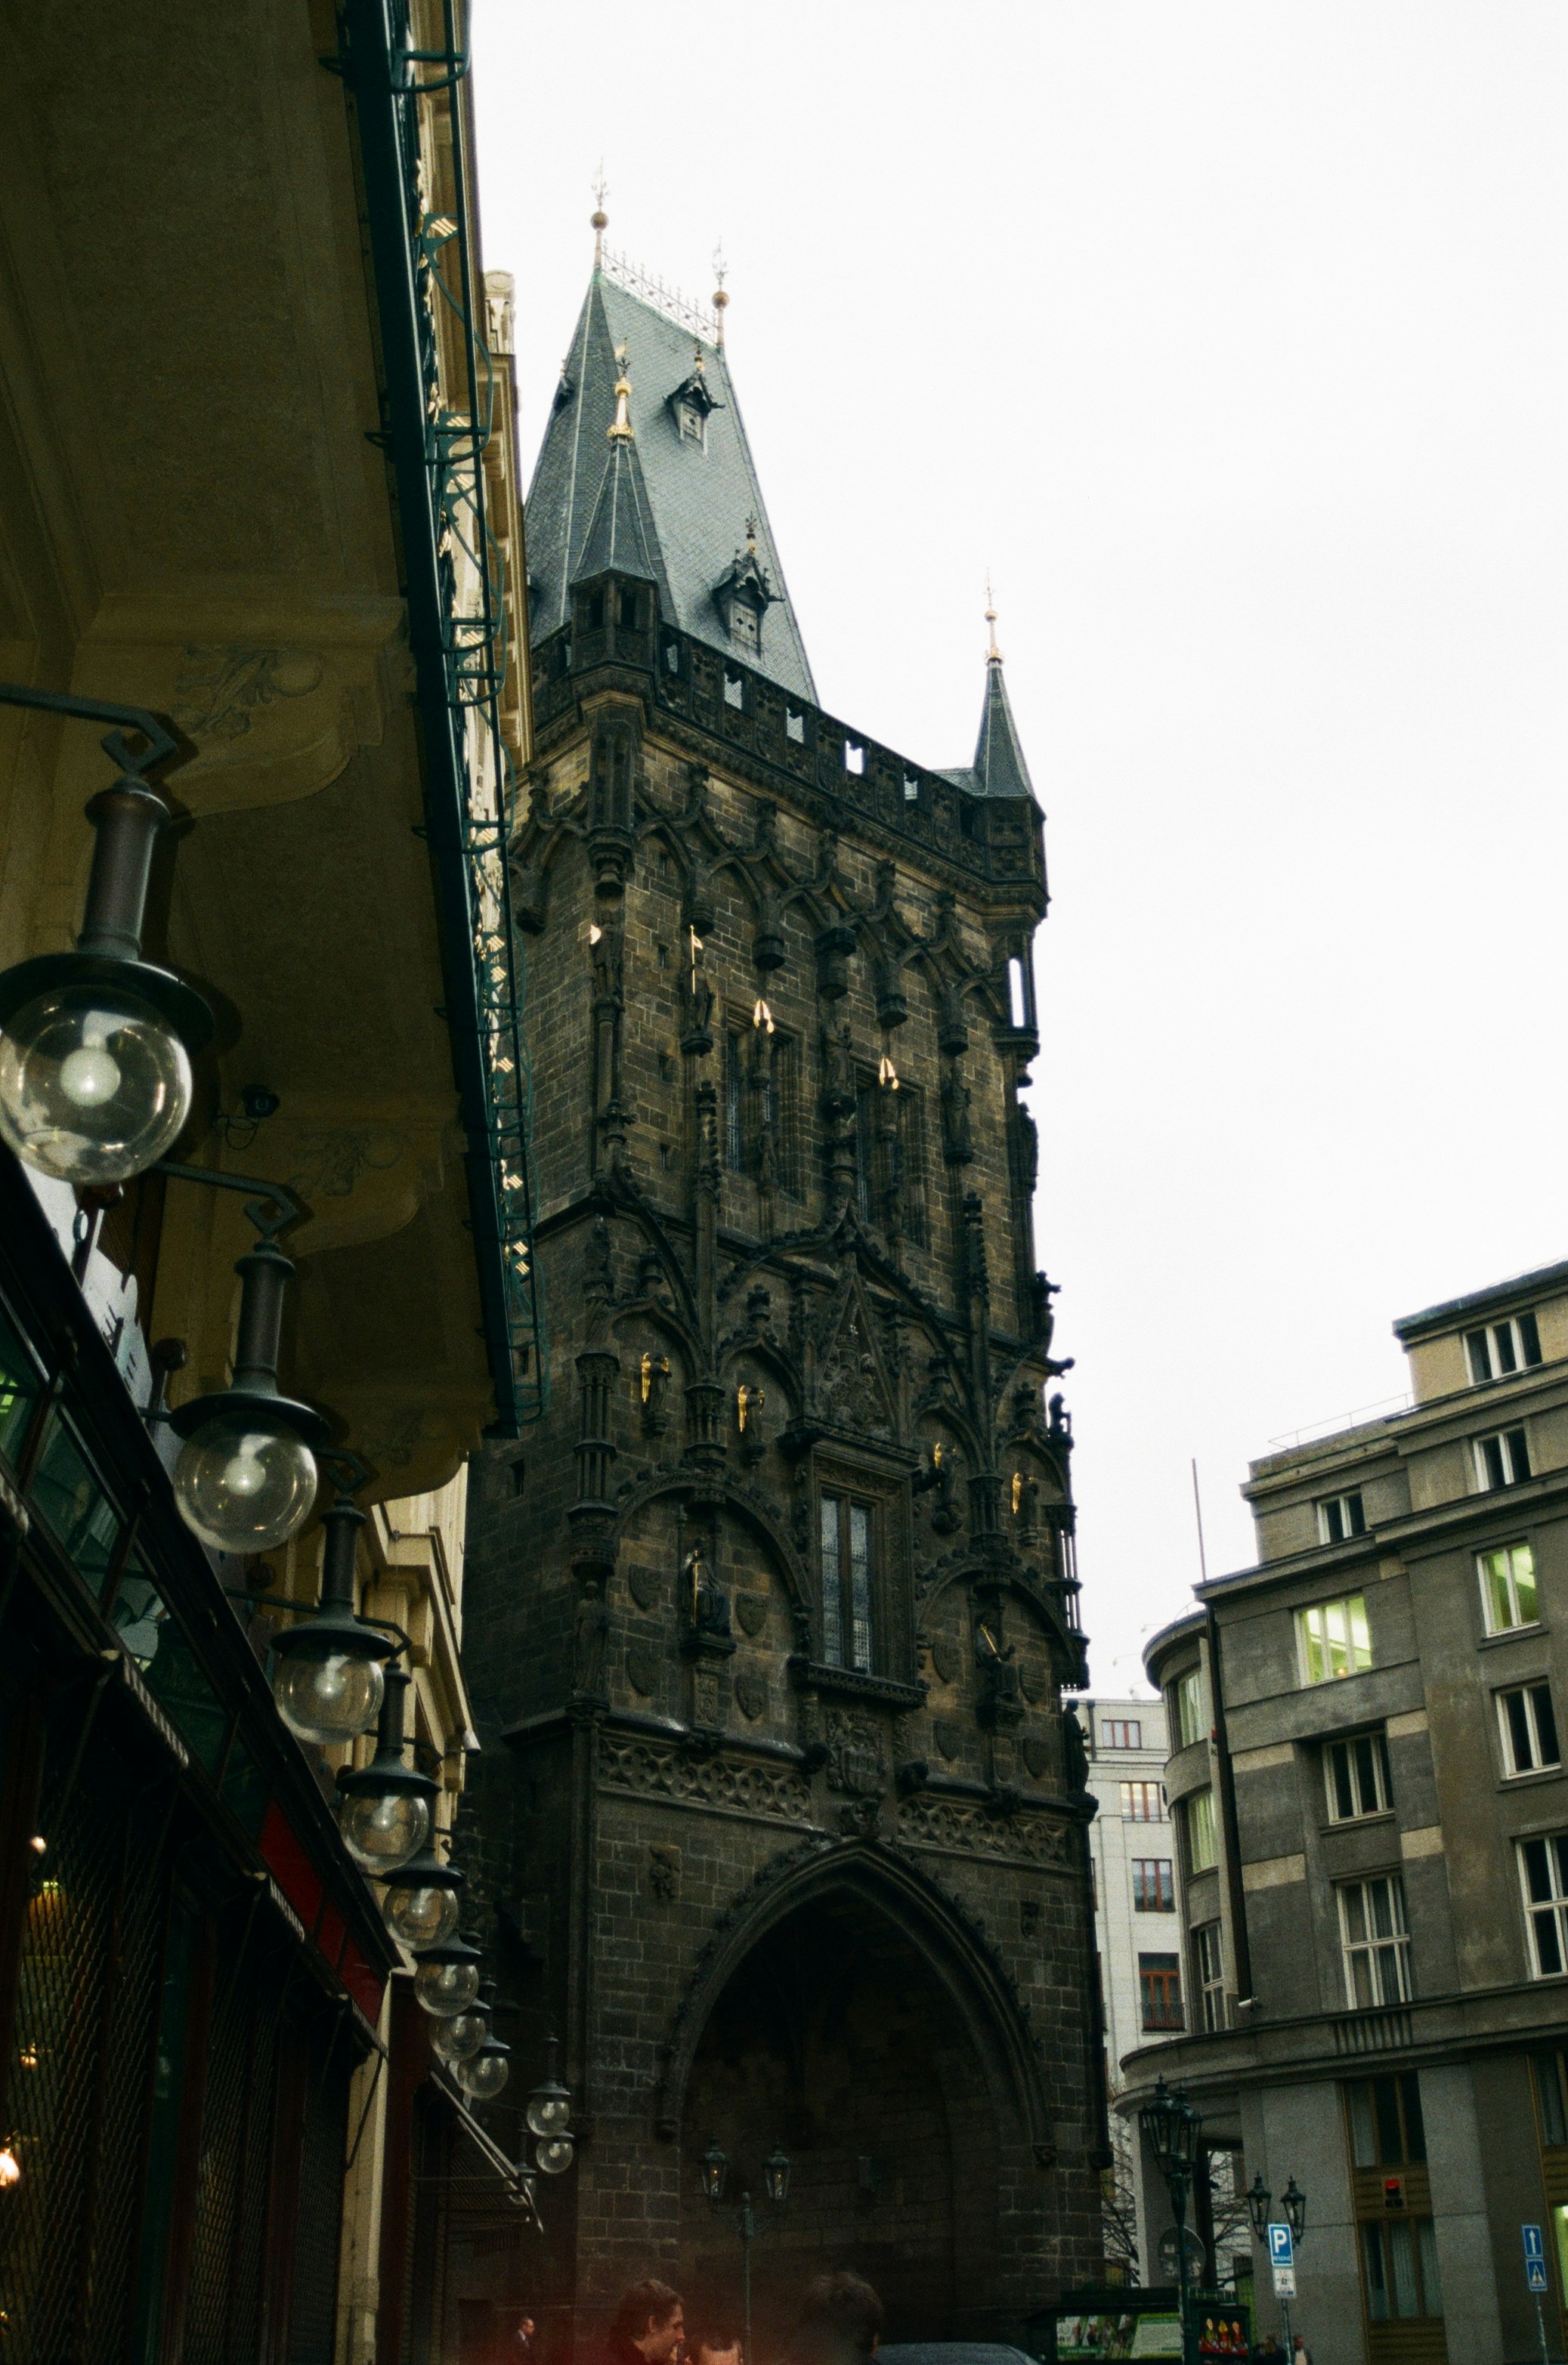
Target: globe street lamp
245 1480
96 1045
549 2118
326 1672
386 1807
446 1978
776 2174
482 2074
1171 2128
420 1906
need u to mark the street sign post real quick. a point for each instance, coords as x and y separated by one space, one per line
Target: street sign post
1282 2258
1535 2275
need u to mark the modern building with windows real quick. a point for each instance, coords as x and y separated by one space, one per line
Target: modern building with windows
1371 1815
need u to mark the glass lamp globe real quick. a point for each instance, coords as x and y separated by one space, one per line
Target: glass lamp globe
94 1083
329 1700
425 1916
445 1987
549 2111
245 1482
484 2073
458 2036
382 1829
554 2155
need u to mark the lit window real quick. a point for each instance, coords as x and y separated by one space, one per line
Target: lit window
1356 1773
1333 1639
1507 1587
845 1533
1143 1802
1209 1958
1502 1459
1530 1728
1159 1983
1376 1936
1187 1708
1339 1516
1543 1867
1154 1884
1198 1816
1120 1732
1502 1348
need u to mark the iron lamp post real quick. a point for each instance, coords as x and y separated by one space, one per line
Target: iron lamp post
1292 2200
776 2174
1171 2128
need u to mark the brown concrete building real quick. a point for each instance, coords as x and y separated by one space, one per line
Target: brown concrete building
767 1623
1367 1781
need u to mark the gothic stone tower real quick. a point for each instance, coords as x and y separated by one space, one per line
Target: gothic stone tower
779 1819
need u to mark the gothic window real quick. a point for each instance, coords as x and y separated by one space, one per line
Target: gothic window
890 1157
762 1101
734 1102
845 1532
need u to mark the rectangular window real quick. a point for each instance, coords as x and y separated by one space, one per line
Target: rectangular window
1209 1958
890 1158
734 1100
1160 1985
1544 1869
1530 1728
1120 1732
1399 2260
1386 2126
1507 1587
1154 1884
1339 1516
844 1537
1333 1639
1356 1775
1187 1708
1549 2097
762 1102
1502 1459
1376 1940
784 1113
1501 1348
1143 1802
1198 1816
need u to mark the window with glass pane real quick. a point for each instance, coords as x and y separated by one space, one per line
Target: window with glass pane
1209 1958
18 1391
1507 1587
1357 1777
1198 1813
845 1532
1376 1939
1501 1348
1502 1459
1187 1705
1154 1884
1143 1802
1386 2126
1339 1516
1543 1867
1333 1639
1399 2261
1160 1985
1120 1732
1530 1728
66 1493
1550 2087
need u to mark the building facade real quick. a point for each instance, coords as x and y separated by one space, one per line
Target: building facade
769 1620
1135 1932
242 323
1371 1819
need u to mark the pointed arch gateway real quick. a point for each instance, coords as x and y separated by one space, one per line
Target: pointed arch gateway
852 2012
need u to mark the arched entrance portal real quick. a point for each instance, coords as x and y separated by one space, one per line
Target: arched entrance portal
834 2036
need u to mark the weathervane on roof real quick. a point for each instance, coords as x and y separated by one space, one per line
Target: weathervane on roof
720 298
599 219
993 655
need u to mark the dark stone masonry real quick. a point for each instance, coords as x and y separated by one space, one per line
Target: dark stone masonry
778 1820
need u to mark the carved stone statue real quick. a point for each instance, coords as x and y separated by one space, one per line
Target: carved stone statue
1025 1500
957 1135
706 1602
600 1278
590 1634
1029 1147
654 1382
945 1517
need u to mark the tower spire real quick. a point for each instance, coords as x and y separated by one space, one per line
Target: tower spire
620 425
720 297
993 655
599 220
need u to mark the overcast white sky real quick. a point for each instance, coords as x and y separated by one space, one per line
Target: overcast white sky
1232 340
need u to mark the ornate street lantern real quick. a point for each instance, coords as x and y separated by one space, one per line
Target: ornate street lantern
777 2171
1259 2201
1294 2201
715 2172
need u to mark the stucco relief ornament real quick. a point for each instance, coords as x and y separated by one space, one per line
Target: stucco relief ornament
855 1760
221 688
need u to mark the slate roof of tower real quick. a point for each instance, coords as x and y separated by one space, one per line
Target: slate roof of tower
620 527
690 506
999 770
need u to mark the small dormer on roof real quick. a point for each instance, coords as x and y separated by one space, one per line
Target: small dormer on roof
745 595
691 403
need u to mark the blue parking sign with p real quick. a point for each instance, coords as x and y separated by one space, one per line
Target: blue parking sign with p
1535 2258
1281 2246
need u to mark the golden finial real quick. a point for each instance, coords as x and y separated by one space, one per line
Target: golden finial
751 535
620 425
598 219
993 655
720 298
